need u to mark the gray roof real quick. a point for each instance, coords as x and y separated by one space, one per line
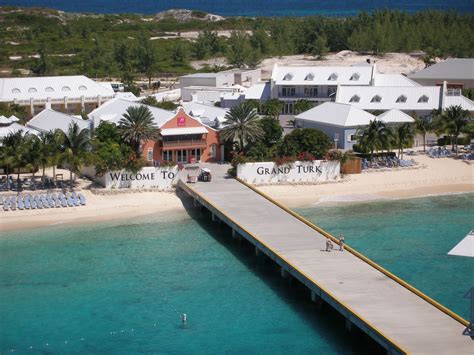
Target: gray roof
454 68
50 120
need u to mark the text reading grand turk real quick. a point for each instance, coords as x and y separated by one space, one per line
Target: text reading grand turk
304 169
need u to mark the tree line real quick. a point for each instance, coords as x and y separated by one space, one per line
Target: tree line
120 45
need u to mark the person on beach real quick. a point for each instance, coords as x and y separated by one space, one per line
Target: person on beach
341 242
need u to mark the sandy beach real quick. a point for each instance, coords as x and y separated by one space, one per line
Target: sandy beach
430 177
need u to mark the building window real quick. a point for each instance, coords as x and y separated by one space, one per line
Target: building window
453 92
49 89
333 77
66 88
213 150
149 155
196 153
376 98
309 77
332 91
16 91
82 88
288 108
423 99
311 91
182 156
402 98
167 155
351 138
355 98
288 91
32 90
288 77
355 77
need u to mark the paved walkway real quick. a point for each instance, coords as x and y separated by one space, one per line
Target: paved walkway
383 304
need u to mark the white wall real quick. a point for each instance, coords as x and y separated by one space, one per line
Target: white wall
269 173
148 177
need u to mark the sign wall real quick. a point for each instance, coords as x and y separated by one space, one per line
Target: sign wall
299 171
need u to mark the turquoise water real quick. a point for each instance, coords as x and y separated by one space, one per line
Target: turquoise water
120 288
249 7
106 289
411 238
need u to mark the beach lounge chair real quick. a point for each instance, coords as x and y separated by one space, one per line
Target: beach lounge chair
39 204
57 201
76 201
13 205
21 204
63 202
27 203
82 199
70 202
6 204
1 200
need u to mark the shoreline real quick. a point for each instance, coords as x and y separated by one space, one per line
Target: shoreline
438 177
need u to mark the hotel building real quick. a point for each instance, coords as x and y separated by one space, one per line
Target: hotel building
68 94
183 138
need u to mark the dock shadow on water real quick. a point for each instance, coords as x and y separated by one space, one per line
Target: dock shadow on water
324 320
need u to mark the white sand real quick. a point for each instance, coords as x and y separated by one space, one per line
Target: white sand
389 63
433 177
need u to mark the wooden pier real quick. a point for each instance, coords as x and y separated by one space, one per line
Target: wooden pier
393 313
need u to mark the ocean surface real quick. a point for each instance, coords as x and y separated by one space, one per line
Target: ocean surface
248 7
121 287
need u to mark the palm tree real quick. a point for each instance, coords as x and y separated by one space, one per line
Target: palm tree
241 126
373 137
137 125
423 125
75 146
453 121
273 107
302 106
12 152
55 142
32 153
402 136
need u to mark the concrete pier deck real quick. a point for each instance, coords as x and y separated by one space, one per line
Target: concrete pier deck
390 312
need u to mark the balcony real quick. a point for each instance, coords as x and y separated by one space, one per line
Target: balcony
189 143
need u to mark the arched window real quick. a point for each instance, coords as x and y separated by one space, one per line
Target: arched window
355 77
32 90
66 88
376 98
333 77
402 98
49 89
288 77
82 88
355 98
423 99
16 91
309 77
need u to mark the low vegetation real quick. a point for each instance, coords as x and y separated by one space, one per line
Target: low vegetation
121 46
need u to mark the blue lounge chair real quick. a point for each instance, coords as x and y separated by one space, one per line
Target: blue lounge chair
82 199
21 204
57 201
63 202
70 202
27 203
76 201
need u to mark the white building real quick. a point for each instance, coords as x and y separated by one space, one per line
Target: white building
458 72
50 120
419 99
209 115
69 94
113 110
341 121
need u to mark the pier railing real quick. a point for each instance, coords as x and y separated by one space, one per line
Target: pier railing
362 257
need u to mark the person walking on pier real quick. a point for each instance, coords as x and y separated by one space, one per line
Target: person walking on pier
329 245
341 242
